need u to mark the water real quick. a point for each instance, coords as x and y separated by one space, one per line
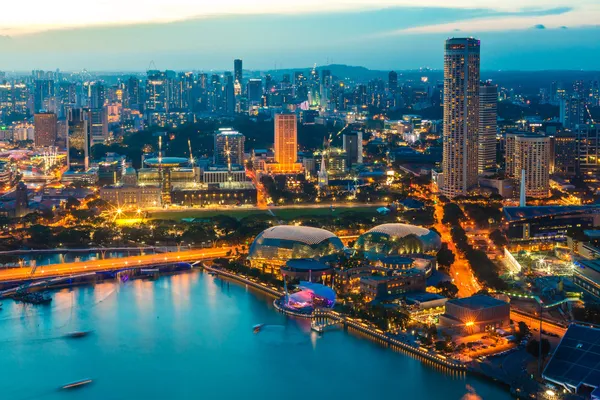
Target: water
60 258
190 336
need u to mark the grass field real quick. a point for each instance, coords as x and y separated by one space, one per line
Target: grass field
283 213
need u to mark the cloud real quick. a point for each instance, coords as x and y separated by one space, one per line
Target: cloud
539 26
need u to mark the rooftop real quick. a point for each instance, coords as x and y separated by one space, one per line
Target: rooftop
576 360
522 213
302 264
478 302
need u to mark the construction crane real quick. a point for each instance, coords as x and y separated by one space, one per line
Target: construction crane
191 156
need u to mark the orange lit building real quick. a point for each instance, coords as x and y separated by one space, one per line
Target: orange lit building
286 145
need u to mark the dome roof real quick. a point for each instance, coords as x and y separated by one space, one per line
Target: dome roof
400 230
303 234
398 238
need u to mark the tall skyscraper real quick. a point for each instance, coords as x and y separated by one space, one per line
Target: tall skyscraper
488 115
254 91
44 91
98 125
229 147
532 154
352 145
461 116
78 140
286 141
237 71
393 82
45 129
588 139
156 91
133 94
572 111
229 93
96 95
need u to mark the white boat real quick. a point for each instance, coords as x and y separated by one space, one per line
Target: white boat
76 384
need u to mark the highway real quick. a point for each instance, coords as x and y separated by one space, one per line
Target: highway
54 270
534 323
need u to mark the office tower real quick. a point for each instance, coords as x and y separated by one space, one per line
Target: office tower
393 82
78 140
156 91
352 145
532 154
461 116
595 93
229 147
6 103
326 83
96 95
172 96
98 125
286 141
45 129
20 98
229 94
44 91
488 116
588 139
300 86
572 111
185 91
565 154
238 71
254 91
133 94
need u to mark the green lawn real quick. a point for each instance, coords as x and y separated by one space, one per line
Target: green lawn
283 213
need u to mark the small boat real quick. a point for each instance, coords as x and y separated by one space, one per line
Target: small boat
77 334
76 384
257 328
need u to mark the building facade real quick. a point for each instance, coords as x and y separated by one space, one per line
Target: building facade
45 129
286 142
461 116
486 140
229 147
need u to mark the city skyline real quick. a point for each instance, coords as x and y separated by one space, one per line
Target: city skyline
558 36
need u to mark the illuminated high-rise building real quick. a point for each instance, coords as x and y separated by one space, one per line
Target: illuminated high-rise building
237 71
45 129
286 142
44 91
461 116
229 147
156 91
254 91
78 140
97 95
488 115
98 125
532 155
572 111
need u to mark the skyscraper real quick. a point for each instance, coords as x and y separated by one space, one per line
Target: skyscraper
229 147
229 93
572 111
488 115
156 91
286 141
44 90
254 91
588 139
98 125
237 71
461 116
352 145
78 140
45 129
133 95
97 95
393 82
532 154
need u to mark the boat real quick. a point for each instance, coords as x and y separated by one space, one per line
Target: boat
77 334
76 384
257 328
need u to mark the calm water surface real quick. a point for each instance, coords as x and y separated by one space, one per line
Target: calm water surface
190 336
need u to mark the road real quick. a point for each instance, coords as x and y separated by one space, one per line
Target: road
534 323
461 270
54 270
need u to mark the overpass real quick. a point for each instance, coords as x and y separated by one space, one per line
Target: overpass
111 264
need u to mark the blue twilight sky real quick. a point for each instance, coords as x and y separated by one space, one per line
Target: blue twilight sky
111 35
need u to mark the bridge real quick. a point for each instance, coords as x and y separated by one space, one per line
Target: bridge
111 264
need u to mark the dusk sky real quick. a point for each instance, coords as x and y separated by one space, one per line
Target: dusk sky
379 34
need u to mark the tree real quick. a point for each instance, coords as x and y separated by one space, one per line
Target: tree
445 257
40 236
72 203
447 289
498 238
452 214
533 347
523 330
